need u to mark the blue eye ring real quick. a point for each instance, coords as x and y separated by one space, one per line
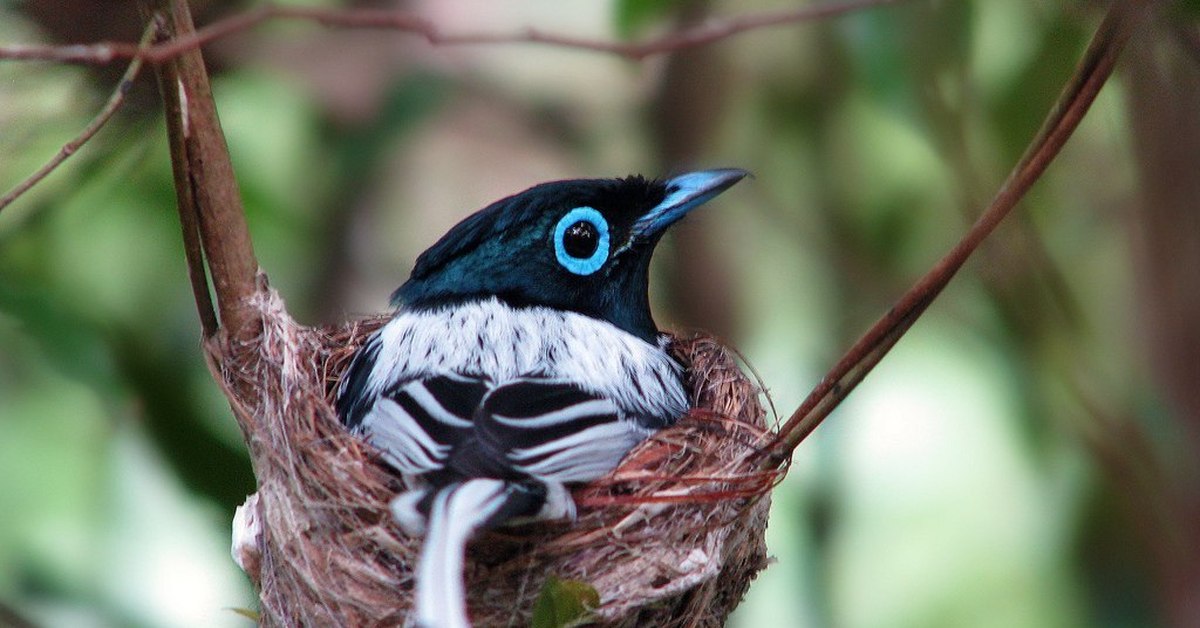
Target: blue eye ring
582 265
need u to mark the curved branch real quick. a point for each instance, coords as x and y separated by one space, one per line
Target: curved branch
110 108
407 22
1093 71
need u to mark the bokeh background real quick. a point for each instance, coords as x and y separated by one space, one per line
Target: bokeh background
1027 456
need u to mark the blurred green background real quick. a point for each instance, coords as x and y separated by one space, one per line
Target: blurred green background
1025 457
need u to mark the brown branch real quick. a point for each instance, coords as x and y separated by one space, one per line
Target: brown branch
167 77
110 108
210 207
404 21
1094 69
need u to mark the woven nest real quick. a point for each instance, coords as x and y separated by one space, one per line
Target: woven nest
672 538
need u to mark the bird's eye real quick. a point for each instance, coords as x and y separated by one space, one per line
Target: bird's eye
581 240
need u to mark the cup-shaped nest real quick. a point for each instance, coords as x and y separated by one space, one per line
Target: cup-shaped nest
671 538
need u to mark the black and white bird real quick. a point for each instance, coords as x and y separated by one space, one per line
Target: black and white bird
522 357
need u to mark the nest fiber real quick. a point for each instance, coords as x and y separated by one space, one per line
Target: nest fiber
672 538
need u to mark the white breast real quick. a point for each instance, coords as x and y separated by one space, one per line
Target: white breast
493 339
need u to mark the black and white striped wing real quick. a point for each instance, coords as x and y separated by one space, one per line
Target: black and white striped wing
420 423
451 427
553 430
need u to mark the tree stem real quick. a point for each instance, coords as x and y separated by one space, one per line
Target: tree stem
210 206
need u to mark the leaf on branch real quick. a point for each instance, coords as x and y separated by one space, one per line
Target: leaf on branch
564 604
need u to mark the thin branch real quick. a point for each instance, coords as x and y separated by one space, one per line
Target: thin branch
404 21
110 109
174 105
1094 69
210 206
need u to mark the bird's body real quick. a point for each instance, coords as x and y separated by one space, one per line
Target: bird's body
505 343
522 357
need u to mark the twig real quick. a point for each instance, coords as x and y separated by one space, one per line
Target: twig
1094 69
412 23
110 108
175 114
210 207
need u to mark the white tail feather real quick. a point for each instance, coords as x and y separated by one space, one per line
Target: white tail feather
457 512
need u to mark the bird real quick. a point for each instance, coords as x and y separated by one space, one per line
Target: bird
521 358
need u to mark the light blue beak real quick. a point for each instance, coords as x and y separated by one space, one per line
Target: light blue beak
685 193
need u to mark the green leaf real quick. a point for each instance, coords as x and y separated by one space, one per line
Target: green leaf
632 16
564 604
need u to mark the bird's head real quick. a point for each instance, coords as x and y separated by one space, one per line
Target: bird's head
581 245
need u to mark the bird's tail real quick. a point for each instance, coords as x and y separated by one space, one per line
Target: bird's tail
455 513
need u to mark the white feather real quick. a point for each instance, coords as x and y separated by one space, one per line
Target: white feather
457 512
566 415
408 447
430 403
531 341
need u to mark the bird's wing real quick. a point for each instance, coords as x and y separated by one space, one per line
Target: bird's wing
527 428
419 423
553 430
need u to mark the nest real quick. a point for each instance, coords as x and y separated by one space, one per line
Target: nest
672 538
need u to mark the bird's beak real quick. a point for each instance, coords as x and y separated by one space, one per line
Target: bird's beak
685 193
